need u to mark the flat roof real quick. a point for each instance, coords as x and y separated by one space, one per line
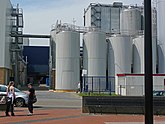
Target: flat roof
122 75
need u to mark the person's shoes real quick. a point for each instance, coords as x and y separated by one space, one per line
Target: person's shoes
12 114
7 114
29 114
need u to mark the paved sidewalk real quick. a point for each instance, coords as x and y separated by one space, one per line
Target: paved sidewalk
132 122
71 116
65 108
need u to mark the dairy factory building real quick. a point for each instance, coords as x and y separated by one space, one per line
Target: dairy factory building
111 52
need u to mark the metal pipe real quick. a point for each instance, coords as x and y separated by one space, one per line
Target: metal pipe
50 64
30 35
148 63
16 75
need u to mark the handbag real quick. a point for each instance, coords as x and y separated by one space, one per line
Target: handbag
34 99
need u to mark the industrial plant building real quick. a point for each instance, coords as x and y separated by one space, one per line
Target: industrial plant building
113 50
12 65
110 60
5 40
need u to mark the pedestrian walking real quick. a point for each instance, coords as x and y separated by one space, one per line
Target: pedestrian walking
10 98
31 93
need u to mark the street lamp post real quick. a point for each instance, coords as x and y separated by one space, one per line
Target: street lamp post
148 63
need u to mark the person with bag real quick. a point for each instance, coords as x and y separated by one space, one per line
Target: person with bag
32 96
10 98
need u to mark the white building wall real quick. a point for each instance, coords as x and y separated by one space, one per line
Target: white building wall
105 19
131 85
134 86
2 31
115 20
5 39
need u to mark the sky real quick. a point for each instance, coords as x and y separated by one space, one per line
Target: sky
40 15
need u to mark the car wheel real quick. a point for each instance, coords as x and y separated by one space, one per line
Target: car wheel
19 102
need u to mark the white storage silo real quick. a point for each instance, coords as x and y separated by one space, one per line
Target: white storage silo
161 35
138 55
121 53
94 57
130 21
67 60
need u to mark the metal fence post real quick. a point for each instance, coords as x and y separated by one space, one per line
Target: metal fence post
84 83
99 85
92 84
109 87
120 90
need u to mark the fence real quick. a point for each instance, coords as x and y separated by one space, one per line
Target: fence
98 84
101 84
135 90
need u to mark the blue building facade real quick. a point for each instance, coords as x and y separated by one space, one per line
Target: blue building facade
38 63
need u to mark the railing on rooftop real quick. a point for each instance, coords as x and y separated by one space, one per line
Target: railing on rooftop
71 27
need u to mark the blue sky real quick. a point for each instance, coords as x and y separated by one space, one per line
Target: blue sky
39 15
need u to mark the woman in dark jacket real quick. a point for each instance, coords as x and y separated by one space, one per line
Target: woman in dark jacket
30 100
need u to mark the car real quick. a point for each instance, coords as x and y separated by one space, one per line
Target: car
159 93
21 97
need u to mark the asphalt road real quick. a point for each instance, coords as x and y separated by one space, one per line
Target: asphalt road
57 100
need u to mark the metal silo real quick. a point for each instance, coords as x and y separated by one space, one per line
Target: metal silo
67 60
94 57
130 21
138 54
121 53
161 35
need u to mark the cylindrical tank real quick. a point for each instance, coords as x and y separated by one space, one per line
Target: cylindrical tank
138 55
111 61
130 21
161 35
67 60
121 54
94 57
52 59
